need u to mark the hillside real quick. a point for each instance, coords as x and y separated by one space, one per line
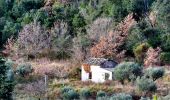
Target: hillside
44 43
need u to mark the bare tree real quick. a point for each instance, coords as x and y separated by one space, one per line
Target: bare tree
33 39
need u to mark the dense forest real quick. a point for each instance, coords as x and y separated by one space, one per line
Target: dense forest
54 37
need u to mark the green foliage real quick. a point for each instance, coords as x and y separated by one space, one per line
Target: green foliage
127 71
140 7
2 7
163 7
78 21
145 98
155 73
6 82
121 96
165 42
66 89
28 18
69 93
31 4
139 51
9 63
146 85
24 69
10 29
165 57
153 36
135 37
85 93
101 94
63 44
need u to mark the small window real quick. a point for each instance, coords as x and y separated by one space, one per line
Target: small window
90 75
107 76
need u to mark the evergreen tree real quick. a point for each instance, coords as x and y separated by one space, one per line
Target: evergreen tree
6 81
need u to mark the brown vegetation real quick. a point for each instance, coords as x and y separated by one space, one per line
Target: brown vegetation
152 57
110 46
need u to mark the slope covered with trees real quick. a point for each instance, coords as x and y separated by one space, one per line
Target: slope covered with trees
74 30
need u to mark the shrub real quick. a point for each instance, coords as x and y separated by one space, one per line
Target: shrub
166 97
33 39
146 85
153 36
165 57
99 28
152 57
10 29
140 50
78 21
68 93
121 96
127 70
145 98
103 98
135 37
24 69
165 42
155 73
66 89
71 95
85 93
31 4
9 63
6 84
139 7
162 8
101 94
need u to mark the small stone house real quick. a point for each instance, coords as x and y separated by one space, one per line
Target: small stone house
97 70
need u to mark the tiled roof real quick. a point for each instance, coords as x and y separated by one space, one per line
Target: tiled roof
102 62
95 61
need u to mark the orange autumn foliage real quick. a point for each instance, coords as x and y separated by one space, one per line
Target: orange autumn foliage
109 46
152 57
86 67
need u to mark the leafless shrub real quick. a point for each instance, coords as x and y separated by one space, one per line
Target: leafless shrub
33 39
99 28
37 88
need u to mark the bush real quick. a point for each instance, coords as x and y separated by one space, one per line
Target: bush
145 98
140 50
139 7
155 73
101 94
165 42
68 93
33 39
24 69
121 96
66 89
85 93
127 70
6 83
153 36
166 97
146 85
165 57
162 7
9 63
135 37
31 4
